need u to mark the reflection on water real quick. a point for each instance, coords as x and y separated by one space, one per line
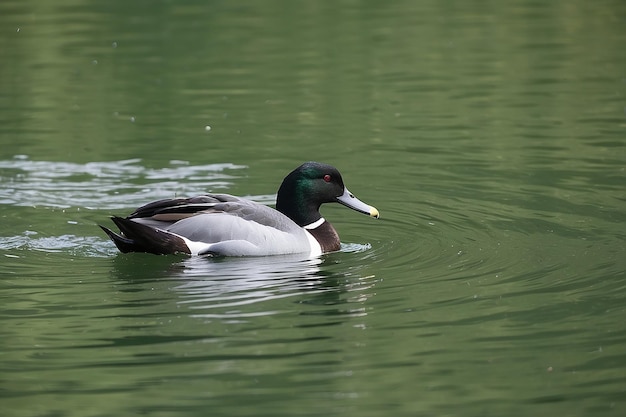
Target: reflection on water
104 185
219 289
229 288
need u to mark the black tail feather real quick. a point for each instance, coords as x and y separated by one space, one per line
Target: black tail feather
137 237
123 244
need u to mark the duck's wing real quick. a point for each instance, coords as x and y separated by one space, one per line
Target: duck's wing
173 209
218 224
170 211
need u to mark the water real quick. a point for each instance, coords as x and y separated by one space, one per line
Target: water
489 136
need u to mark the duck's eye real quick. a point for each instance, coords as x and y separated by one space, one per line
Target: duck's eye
327 178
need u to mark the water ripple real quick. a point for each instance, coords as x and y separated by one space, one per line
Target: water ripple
104 185
88 246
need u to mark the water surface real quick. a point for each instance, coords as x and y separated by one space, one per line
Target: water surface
489 136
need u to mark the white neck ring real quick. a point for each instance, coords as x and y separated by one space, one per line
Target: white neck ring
315 224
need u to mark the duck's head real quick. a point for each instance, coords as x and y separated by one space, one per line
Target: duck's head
309 186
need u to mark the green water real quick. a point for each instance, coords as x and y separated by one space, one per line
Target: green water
490 135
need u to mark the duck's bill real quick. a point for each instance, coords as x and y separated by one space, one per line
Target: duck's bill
349 200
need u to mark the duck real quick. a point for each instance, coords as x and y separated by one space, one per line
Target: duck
226 225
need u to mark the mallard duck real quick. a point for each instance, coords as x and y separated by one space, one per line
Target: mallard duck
225 225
